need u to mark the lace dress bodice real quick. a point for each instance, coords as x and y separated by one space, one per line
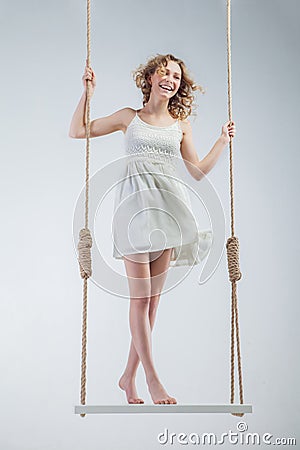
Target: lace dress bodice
144 141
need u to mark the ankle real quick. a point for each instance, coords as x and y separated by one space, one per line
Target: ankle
128 376
153 378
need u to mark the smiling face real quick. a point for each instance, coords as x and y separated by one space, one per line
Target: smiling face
166 84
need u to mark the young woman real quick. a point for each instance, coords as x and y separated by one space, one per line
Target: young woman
156 135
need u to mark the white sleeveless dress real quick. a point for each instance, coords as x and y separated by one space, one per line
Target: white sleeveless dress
152 209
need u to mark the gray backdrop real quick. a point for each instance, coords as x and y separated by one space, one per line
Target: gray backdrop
43 51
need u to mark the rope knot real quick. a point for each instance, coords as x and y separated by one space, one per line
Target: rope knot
84 251
232 246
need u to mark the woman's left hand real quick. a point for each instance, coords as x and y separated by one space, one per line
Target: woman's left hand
228 131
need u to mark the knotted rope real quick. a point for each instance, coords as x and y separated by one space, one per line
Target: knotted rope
85 239
232 244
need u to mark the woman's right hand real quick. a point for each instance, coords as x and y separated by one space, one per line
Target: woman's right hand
89 74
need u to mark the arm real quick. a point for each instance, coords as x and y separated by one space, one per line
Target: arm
77 126
190 156
98 127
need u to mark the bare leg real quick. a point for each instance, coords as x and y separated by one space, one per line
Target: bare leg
127 380
158 273
134 270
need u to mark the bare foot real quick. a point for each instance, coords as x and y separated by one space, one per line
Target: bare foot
158 393
128 385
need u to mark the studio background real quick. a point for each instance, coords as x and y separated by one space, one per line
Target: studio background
43 48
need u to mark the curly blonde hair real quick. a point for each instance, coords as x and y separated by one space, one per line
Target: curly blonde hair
181 105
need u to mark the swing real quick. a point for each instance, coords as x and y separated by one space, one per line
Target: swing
232 246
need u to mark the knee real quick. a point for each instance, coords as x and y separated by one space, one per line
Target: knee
154 300
140 302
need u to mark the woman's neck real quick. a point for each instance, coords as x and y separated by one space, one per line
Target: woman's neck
157 108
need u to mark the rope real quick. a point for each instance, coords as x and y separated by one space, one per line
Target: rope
232 244
85 239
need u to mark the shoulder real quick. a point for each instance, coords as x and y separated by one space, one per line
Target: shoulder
125 116
127 111
186 126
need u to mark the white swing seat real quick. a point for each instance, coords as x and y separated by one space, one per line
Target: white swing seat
162 409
